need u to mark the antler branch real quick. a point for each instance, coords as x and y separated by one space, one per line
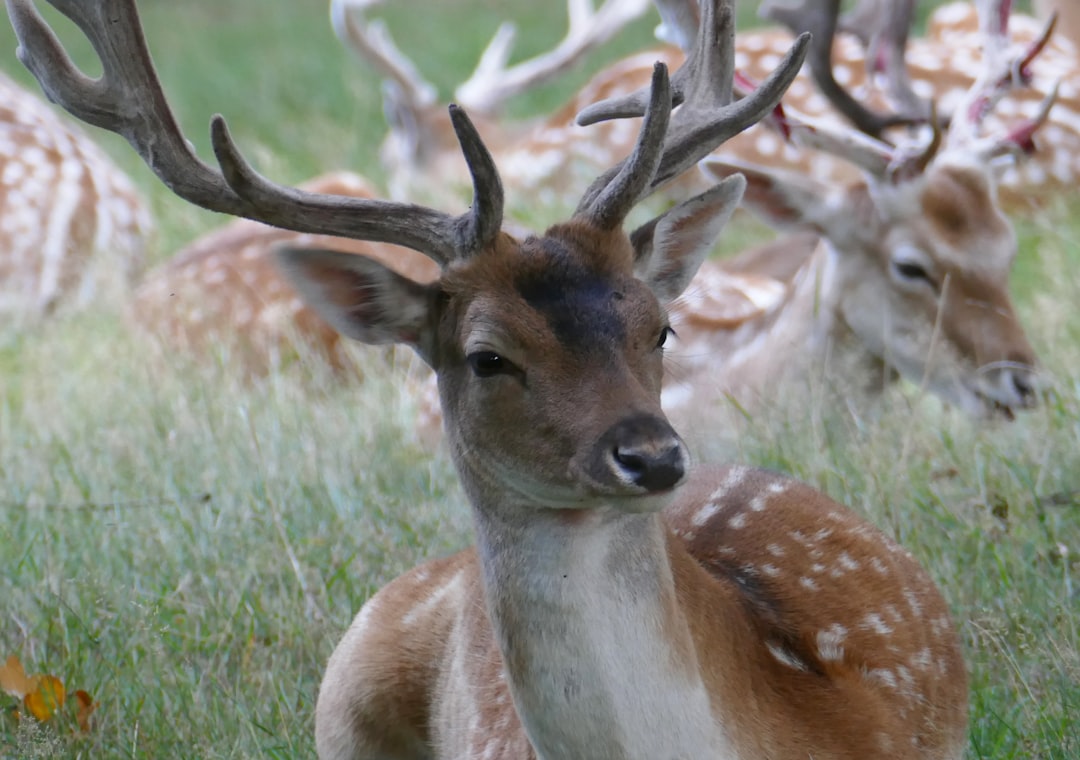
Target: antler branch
820 17
493 82
703 86
128 100
371 41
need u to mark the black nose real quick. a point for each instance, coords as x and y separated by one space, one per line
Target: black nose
1024 384
644 451
653 469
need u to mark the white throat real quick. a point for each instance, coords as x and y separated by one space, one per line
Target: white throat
583 608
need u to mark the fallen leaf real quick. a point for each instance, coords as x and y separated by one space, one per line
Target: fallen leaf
13 678
46 698
86 708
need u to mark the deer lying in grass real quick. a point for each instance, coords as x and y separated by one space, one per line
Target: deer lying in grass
73 228
910 274
618 604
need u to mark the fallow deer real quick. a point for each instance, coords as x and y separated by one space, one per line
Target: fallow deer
618 604
73 228
910 273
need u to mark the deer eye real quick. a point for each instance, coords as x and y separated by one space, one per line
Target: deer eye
488 364
910 270
665 333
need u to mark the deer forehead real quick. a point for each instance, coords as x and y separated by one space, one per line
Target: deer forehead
951 213
571 288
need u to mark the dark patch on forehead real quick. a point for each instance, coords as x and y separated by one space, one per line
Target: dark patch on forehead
578 303
958 203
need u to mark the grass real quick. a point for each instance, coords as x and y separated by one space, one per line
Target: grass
189 549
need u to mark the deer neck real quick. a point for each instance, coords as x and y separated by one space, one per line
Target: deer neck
598 653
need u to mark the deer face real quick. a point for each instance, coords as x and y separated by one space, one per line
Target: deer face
548 353
918 271
932 288
549 367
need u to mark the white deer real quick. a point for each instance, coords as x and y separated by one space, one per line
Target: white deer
618 604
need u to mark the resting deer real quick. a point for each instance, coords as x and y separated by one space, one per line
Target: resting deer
618 603
73 228
910 273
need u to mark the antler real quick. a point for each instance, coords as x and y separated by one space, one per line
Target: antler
128 99
492 83
819 17
883 27
999 75
371 40
707 116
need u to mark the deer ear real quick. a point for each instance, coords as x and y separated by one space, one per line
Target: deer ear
669 249
781 199
361 298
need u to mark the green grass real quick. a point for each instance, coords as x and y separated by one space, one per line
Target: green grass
189 549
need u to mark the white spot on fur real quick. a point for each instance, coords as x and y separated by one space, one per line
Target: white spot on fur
829 643
434 599
775 549
809 584
882 676
738 521
874 622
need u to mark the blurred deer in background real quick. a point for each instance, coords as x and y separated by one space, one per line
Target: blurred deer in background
910 273
603 613
73 228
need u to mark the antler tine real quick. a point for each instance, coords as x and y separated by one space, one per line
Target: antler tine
883 27
493 83
128 100
703 84
999 73
609 204
372 41
819 17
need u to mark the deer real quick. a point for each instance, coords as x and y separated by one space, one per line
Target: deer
902 274
618 602
73 226
908 277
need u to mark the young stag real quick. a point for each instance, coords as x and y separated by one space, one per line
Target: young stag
618 604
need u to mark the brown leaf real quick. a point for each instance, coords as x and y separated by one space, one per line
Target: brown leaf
86 708
13 678
46 698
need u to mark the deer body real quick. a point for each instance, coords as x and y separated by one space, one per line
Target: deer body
793 674
754 618
73 228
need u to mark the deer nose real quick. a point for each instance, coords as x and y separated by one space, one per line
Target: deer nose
644 451
651 467
1025 384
